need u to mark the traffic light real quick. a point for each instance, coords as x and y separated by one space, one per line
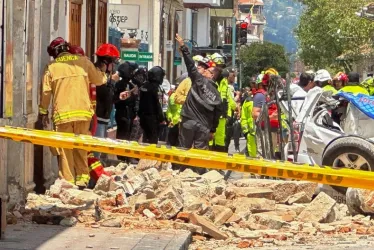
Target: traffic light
243 33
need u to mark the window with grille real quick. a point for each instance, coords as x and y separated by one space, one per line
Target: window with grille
102 22
75 22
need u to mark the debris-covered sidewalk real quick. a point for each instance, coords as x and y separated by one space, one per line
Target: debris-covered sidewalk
241 214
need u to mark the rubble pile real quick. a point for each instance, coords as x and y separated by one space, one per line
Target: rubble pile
242 213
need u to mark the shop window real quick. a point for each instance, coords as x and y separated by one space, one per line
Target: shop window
75 22
90 30
102 21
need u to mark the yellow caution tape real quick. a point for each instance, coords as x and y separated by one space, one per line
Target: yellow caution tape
194 157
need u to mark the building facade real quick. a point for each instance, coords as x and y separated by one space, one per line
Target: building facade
27 27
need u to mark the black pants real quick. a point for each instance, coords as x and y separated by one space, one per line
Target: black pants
192 133
150 126
173 136
237 130
124 125
228 136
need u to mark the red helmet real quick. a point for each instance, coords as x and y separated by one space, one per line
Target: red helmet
265 79
108 50
341 77
58 43
76 50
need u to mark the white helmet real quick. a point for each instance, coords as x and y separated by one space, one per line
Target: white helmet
322 75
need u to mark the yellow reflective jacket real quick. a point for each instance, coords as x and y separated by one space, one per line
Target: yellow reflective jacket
220 135
182 91
246 120
68 79
354 89
224 90
330 88
173 113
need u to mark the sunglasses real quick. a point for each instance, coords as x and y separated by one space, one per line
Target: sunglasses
210 71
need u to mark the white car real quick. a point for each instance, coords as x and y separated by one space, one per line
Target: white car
347 143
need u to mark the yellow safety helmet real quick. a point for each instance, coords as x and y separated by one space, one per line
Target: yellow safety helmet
271 71
198 58
217 59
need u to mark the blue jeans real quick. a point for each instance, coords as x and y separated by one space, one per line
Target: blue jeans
101 131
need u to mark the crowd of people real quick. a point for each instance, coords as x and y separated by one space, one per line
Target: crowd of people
202 109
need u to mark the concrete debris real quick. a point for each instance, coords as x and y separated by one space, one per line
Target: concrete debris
104 184
188 227
253 205
301 197
69 222
360 201
271 222
245 213
112 222
145 164
77 197
208 227
213 176
319 210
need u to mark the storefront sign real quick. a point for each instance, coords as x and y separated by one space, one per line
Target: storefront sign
145 57
131 56
124 16
135 56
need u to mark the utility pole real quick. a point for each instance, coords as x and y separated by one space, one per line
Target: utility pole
233 42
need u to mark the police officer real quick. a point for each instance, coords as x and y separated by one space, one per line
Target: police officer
150 105
219 142
353 86
125 105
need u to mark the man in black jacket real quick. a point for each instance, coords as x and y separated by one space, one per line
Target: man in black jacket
150 101
203 107
126 108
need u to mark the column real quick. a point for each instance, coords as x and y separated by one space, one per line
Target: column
155 10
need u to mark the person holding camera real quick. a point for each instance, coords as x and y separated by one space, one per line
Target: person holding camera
150 105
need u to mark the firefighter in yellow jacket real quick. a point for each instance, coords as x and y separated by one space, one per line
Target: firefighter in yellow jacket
67 80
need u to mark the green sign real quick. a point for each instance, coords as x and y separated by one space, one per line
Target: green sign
145 57
129 55
177 61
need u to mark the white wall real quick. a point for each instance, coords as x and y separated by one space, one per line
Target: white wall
203 27
144 13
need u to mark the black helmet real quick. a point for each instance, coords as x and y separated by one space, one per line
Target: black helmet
126 70
156 74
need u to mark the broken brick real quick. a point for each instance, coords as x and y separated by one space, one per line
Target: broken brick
208 227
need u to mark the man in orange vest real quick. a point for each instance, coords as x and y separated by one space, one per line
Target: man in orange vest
66 79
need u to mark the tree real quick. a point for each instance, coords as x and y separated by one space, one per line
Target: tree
329 29
261 56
